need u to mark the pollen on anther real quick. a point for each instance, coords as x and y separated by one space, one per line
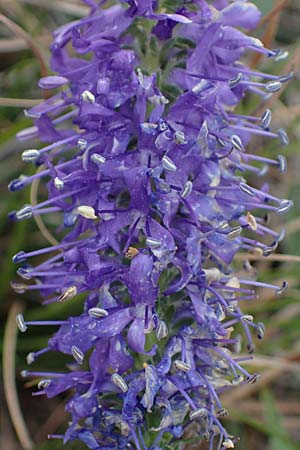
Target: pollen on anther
131 252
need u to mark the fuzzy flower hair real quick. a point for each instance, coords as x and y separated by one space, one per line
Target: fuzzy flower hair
144 159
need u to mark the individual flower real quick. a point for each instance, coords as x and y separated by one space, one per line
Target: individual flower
144 158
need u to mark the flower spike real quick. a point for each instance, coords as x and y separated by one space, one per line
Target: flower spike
145 159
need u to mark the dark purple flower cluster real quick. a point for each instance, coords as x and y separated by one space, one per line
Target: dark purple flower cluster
145 158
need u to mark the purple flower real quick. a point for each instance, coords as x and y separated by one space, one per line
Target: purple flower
144 159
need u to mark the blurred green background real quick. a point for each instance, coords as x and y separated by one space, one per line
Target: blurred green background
265 415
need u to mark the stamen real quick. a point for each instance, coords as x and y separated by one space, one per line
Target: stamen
251 221
254 130
149 128
222 412
187 189
246 189
168 164
16 185
24 213
260 330
181 366
23 273
58 183
21 323
30 155
97 313
46 322
235 232
77 354
237 142
278 290
68 294
200 413
270 249
253 379
282 163
285 206
212 274
247 318
98 159
54 199
266 119
43 384
19 257
161 330
131 252
153 243
287 77
235 81
281 55
273 86
22 256
179 138
119 382
228 443
87 212
52 82
283 136
88 97
82 143
27 373
56 144
283 288
30 358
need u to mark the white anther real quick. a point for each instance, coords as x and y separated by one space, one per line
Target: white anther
82 143
43 384
97 313
234 233
212 274
98 159
187 189
77 354
21 323
88 97
251 221
168 164
87 212
228 443
30 358
162 330
153 243
119 382
67 294
233 282
182 366
30 155
200 413
58 183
